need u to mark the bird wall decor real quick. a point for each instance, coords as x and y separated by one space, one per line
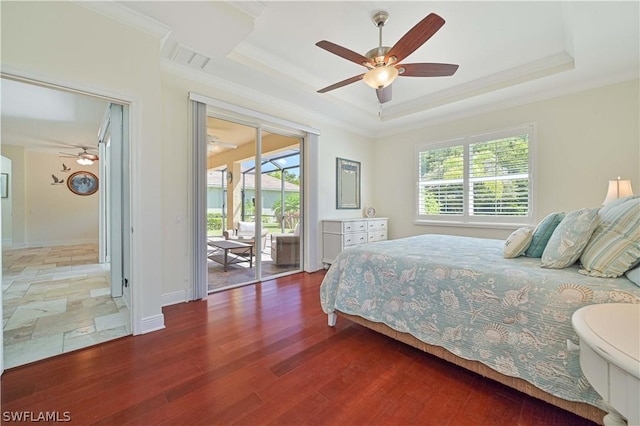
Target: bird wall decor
56 180
65 168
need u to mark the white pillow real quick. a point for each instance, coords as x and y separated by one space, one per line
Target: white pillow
569 239
518 242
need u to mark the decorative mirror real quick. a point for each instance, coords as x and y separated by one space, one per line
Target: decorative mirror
83 183
347 184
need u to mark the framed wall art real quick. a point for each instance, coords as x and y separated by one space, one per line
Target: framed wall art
83 183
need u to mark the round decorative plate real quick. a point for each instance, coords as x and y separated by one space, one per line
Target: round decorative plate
371 212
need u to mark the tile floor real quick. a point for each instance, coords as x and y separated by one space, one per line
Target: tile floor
55 300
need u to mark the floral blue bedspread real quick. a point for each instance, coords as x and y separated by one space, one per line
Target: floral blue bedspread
461 294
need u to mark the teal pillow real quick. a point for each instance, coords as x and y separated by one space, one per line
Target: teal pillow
543 233
569 239
634 275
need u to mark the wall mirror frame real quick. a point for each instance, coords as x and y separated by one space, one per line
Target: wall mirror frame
347 184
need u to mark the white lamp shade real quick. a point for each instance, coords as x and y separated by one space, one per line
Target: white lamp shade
380 77
618 189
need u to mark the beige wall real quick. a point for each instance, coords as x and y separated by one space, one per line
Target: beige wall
584 139
67 44
46 214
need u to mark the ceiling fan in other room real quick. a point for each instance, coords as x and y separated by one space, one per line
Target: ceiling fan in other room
214 141
83 158
383 62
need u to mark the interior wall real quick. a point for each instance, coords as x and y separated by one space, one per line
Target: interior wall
52 214
333 142
584 140
66 44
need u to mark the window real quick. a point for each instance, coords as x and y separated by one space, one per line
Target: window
477 179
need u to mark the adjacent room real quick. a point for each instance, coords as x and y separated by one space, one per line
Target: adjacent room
59 260
321 212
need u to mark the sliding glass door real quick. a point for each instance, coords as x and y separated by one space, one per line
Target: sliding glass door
254 213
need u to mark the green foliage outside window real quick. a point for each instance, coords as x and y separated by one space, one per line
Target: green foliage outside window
498 178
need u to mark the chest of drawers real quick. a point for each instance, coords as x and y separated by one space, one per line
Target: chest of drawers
338 234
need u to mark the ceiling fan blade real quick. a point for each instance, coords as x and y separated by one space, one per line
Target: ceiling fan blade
343 52
341 83
384 94
427 70
416 37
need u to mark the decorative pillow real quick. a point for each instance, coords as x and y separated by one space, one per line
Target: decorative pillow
517 242
542 233
634 275
614 246
569 239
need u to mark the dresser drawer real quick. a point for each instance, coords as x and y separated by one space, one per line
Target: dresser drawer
355 226
377 225
377 235
353 239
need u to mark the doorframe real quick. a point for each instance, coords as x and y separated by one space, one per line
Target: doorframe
134 115
259 121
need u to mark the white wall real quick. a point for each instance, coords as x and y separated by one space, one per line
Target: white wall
67 44
584 139
51 214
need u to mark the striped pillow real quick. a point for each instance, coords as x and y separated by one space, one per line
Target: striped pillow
614 246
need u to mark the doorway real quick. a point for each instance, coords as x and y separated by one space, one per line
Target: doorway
254 208
56 293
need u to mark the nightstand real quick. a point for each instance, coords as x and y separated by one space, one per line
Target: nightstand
610 357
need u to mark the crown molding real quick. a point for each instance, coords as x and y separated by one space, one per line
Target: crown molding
129 17
254 99
513 76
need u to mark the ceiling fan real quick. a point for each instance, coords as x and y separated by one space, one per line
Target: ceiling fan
84 158
214 140
383 62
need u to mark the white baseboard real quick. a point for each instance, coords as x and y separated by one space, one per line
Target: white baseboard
153 323
174 297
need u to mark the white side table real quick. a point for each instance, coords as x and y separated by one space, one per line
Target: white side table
610 357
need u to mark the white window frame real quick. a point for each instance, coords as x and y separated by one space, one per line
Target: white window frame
467 220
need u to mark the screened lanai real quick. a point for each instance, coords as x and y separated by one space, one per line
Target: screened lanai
280 193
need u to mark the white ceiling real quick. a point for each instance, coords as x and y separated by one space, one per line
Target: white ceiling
49 119
509 53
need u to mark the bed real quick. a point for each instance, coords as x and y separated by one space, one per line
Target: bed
460 299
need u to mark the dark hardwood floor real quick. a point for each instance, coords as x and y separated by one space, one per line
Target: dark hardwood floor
264 355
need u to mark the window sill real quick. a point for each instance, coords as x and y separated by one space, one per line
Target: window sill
495 225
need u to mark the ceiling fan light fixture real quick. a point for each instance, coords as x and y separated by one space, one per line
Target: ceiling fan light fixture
380 77
84 161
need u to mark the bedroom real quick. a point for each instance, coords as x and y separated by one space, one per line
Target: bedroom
586 137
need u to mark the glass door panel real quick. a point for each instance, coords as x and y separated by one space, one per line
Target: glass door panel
280 204
231 249
254 209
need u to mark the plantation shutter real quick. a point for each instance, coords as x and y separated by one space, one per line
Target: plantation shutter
477 179
499 177
442 182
